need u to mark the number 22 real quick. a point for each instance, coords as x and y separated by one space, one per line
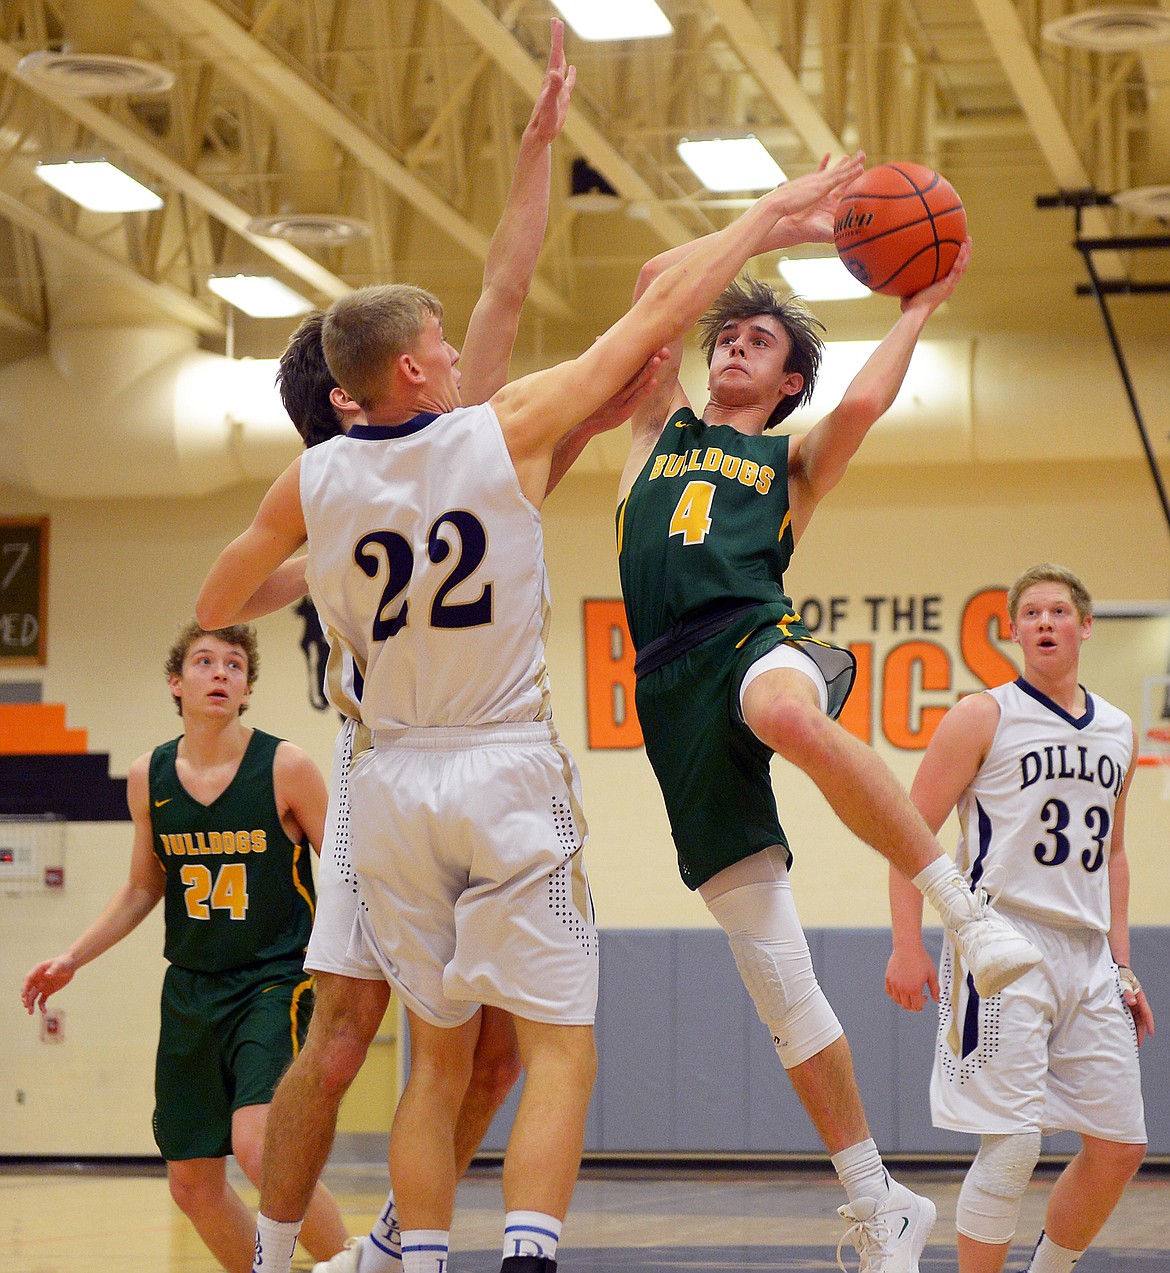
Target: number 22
396 551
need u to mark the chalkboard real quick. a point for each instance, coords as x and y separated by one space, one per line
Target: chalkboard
24 574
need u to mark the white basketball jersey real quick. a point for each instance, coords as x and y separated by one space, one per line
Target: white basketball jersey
1042 806
426 563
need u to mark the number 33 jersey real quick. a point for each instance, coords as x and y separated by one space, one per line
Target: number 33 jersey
1042 806
426 564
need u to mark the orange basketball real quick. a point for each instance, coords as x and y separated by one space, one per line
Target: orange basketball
899 228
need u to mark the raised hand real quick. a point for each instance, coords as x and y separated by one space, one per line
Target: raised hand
551 108
933 296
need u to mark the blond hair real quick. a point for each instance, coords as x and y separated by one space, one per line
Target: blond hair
1048 572
364 331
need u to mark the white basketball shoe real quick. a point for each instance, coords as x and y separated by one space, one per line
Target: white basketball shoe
889 1233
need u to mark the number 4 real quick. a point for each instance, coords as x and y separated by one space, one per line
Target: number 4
692 514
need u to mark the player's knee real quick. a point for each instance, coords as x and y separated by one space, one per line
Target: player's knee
194 1193
248 1152
1113 1158
989 1201
496 1065
791 725
779 977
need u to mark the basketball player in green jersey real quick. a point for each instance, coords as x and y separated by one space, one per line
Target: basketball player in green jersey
224 817
710 511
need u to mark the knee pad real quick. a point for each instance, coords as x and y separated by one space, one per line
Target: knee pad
989 1201
779 977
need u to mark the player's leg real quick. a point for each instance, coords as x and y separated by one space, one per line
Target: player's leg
494 1071
752 902
544 1150
989 1200
302 1118
323 1233
784 707
200 1189
1095 1088
422 1138
1083 1198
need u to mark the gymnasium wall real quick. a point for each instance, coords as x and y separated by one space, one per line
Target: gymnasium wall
902 550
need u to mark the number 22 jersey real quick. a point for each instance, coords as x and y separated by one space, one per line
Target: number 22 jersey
1042 806
426 563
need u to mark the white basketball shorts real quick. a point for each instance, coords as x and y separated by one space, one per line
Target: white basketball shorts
337 944
469 847
1054 1051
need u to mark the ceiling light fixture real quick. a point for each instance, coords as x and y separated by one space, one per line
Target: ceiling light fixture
259 296
731 163
614 19
98 185
821 278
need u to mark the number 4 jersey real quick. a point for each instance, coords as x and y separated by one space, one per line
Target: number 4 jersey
426 564
1042 806
239 891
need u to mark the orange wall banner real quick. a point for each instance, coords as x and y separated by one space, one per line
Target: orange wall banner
609 678
903 689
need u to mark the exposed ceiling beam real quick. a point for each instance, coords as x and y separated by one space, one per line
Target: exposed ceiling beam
166 169
13 320
777 79
245 60
102 265
506 51
1005 30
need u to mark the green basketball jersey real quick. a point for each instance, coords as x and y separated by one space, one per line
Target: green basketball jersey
706 524
239 891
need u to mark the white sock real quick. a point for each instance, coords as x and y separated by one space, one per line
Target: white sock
1050 1258
860 1171
275 1240
425 1250
531 1233
382 1247
943 886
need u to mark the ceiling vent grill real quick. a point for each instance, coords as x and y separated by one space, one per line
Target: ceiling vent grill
319 229
1113 30
1145 201
95 74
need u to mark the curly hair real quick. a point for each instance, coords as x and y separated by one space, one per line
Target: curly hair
747 298
242 635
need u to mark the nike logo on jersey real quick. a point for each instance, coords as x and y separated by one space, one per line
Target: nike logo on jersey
158 804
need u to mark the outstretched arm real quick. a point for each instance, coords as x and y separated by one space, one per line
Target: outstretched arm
244 566
952 760
811 224
515 246
817 462
129 906
537 411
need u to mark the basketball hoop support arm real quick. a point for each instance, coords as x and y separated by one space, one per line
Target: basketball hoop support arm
1079 200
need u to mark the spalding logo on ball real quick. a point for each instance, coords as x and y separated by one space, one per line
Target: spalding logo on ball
899 228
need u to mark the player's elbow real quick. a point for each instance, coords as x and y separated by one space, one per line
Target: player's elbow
213 611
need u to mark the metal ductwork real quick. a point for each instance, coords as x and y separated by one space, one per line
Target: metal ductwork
138 412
